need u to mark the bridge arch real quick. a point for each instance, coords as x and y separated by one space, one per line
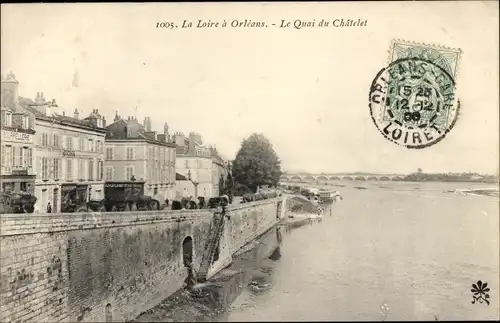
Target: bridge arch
384 178
397 178
360 178
372 178
295 178
309 178
335 178
322 178
349 178
187 251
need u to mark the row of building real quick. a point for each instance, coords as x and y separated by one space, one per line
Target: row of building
61 158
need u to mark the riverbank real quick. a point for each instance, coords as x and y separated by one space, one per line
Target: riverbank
250 270
488 191
299 218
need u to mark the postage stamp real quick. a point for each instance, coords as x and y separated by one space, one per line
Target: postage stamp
413 100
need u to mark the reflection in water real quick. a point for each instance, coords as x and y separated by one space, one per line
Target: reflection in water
250 272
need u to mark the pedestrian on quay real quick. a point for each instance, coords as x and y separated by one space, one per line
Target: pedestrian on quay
49 208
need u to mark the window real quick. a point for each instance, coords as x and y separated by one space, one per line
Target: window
69 141
57 162
81 144
45 139
100 170
109 173
109 153
6 118
24 122
98 146
129 172
6 156
91 145
24 156
56 141
45 169
81 169
130 153
91 170
69 169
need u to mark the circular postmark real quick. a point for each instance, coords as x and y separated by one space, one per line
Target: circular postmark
412 102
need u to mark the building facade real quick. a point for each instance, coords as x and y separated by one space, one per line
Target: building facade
133 151
219 170
199 163
17 137
69 157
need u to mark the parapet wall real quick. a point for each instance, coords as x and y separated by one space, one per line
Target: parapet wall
90 267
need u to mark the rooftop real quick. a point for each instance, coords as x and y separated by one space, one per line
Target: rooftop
29 105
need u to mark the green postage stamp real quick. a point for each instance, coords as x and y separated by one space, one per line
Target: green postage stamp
413 100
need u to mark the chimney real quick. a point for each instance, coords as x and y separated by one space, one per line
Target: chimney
77 114
195 137
147 124
9 91
179 139
150 135
39 100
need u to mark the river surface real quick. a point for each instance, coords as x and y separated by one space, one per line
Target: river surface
387 251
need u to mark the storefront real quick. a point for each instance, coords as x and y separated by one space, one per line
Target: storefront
18 183
73 197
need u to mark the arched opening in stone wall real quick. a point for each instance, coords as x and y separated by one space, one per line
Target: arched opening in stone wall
187 251
109 313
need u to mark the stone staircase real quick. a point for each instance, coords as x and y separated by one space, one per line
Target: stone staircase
216 230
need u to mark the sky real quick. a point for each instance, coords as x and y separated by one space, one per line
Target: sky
306 90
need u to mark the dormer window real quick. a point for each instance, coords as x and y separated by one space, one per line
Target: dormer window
25 122
6 118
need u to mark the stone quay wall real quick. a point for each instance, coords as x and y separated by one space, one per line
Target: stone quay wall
91 267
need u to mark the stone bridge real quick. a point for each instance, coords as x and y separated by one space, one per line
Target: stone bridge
340 177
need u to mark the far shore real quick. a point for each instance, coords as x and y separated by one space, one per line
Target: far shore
487 191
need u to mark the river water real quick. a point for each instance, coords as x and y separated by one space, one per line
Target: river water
388 251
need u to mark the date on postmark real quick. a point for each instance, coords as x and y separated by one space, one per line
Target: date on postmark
413 100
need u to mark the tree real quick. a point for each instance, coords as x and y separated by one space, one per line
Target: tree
256 163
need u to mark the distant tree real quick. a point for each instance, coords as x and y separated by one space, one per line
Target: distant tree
420 170
256 163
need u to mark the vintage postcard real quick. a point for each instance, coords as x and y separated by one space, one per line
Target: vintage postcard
252 161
